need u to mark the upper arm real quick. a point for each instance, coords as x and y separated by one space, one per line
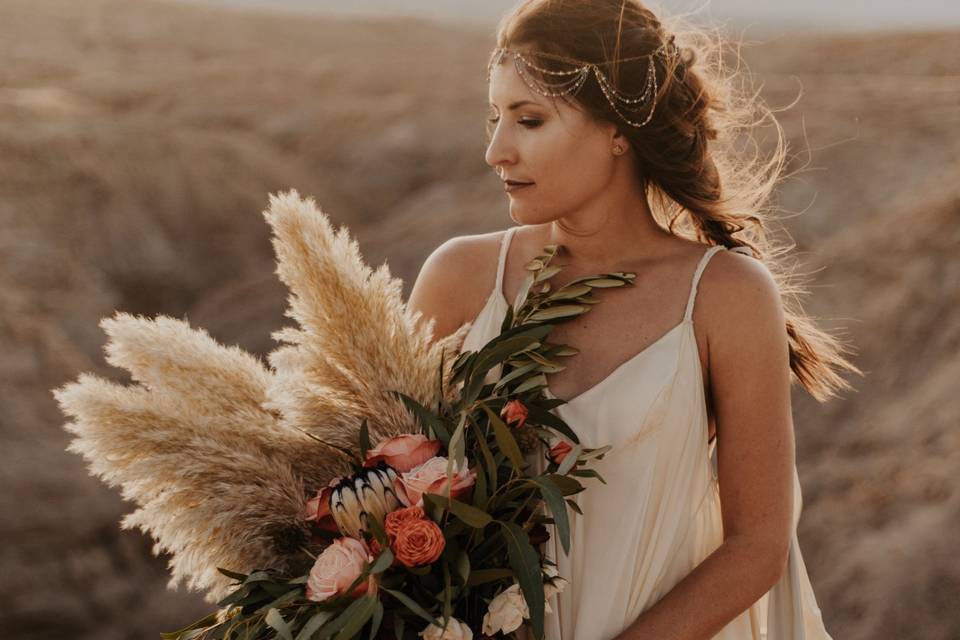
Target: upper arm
749 370
442 284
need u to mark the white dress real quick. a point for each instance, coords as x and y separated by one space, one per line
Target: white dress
658 516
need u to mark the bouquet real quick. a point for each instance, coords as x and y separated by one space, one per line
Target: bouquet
362 485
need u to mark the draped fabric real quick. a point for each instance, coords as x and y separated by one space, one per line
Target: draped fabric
659 515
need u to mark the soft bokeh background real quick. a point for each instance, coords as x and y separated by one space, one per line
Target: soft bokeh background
139 141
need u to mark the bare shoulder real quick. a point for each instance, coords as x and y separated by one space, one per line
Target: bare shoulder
453 278
740 306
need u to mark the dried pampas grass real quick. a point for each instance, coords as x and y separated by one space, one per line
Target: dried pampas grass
210 443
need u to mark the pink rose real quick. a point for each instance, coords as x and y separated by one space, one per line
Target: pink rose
514 411
559 451
431 477
317 508
403 452
337 567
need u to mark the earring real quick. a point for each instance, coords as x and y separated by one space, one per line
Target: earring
617 150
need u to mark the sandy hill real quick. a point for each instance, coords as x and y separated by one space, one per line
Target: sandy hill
139 140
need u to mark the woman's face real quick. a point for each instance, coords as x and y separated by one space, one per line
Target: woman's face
561 150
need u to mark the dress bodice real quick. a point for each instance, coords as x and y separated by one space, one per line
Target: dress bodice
658 515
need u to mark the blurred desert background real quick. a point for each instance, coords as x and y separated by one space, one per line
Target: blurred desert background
139 141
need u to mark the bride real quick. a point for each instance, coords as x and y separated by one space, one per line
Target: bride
626 141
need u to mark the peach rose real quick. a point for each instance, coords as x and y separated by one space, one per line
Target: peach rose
395 519
431 477
317 508
337 567
403 452
514 411
418 542
559 451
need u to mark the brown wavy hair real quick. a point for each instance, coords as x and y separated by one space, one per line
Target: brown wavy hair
699 159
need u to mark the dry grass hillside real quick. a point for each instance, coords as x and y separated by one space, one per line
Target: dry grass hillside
139 140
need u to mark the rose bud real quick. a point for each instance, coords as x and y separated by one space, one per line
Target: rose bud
538 534
514 411
559 451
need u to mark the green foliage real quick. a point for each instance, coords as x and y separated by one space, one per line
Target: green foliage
487 545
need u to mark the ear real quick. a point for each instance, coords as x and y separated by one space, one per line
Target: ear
618 138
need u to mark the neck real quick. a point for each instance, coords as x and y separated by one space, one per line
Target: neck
601 240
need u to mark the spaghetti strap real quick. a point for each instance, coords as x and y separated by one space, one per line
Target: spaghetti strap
688 314
504 246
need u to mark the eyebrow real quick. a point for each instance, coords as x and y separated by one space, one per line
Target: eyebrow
518 104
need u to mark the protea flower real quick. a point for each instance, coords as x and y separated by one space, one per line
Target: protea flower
361 496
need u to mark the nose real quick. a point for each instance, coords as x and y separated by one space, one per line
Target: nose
500 151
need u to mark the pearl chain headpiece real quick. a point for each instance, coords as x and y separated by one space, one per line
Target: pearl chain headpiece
569 82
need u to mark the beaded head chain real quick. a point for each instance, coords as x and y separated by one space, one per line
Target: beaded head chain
569 82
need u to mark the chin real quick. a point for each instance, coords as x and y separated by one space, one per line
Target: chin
524 216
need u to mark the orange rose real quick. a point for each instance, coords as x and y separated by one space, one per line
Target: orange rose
514 411
418 542
403 452
559 451
395 519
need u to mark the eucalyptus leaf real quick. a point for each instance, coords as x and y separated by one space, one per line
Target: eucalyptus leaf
470 515
605 283
525 562
383 561
343 618
558 311
313 625
539 380
570 291
547 273
427 418
558 509
588 473
505 440
567 485
240 577
482 576
412 605
488 459
365 607
569 461
377 619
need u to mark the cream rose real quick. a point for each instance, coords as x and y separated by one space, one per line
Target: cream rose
506 612
337 567
431 477
456 630
553 585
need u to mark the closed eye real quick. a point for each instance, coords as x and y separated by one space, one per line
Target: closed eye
530 123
